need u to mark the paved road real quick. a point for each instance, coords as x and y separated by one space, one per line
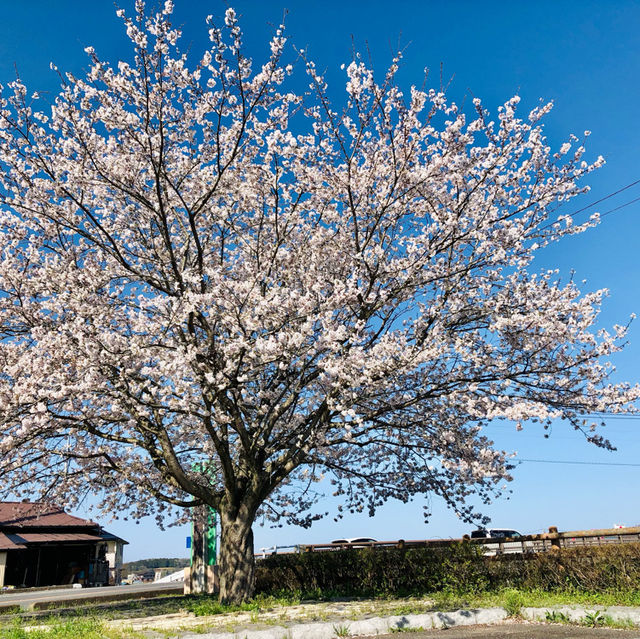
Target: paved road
26 598
519 631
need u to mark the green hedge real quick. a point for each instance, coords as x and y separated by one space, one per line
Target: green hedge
593 569
374 571
457 567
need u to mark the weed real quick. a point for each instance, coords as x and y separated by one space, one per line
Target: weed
341 631
621 624
408 608
449 600
594 619
555 616
513 602
9 610
597 619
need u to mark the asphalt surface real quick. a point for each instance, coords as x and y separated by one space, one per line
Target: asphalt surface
518 631
27 598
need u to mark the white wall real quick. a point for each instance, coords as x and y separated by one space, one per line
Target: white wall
3 565
114 557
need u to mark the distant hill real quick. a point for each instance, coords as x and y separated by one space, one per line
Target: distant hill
156 562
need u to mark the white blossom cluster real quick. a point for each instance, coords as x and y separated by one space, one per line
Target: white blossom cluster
216 290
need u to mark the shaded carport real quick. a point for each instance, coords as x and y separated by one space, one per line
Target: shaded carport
40 559
41 545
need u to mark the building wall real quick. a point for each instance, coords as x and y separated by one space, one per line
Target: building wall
114 557
3 566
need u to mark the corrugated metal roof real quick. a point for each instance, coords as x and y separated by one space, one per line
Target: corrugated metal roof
107 536
17 541
6 543
25 514
25 523
43 538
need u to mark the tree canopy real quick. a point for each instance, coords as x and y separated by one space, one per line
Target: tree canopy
217 290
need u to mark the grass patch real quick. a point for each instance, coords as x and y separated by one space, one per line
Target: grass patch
595 619
90 622
205 605
9 610
109 610
513 599
87 628
599 620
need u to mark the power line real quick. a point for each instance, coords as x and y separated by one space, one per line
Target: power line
606 197
602 199
575 462
605 417
611 416
617 208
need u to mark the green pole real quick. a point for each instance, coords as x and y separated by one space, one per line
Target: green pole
211 542
209 534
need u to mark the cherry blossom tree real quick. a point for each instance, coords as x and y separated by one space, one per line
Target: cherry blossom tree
216 290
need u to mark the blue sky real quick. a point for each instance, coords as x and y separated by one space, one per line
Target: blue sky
585 56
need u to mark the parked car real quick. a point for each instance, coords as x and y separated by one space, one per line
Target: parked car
501 540
354 540
495 533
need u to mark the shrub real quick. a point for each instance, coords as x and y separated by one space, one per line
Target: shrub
457 567
369 571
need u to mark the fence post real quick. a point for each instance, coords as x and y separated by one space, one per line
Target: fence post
555 540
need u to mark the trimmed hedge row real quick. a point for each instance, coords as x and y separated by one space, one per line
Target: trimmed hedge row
374 571
614 567
459 567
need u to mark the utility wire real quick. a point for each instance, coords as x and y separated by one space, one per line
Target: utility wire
604 414
580 463
605 417
606 197
602 199
608 417
619 207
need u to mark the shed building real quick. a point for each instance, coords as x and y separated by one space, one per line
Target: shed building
42 545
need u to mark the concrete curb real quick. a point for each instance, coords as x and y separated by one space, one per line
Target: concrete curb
45 604
578 613
371 626
426 621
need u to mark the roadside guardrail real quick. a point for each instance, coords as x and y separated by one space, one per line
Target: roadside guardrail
552 540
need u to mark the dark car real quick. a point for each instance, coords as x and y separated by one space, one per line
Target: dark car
495 533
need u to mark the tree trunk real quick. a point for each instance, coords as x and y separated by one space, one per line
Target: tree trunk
237 563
